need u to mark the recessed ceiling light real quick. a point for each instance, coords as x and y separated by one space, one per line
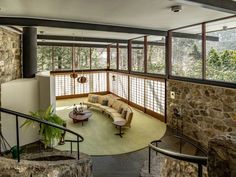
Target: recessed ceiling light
225 27
176 8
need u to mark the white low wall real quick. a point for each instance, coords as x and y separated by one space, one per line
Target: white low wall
20 95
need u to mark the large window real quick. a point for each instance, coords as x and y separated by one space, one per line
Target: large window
66 85
137 90
99 58
82 58
44 58
119 84
156 54
113 57
62 58
187 52
137 56
155 95
123 57
221 51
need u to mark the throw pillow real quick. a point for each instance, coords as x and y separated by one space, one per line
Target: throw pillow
120 110
124 113
105 102
94 99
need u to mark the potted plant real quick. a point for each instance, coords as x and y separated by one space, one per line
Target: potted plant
47 133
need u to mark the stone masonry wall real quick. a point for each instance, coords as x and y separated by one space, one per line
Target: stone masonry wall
206 110
222 156
10 56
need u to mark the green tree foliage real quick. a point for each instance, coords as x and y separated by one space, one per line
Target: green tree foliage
44 58
221 65
195 54
62 58
156 59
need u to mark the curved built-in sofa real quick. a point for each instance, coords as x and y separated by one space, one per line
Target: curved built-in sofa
119 111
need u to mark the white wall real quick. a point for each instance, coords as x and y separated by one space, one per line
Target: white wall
20 95
46 90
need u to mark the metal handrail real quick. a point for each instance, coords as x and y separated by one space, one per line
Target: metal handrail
25 116
200 160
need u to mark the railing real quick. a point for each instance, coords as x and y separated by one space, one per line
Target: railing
25 116
199 160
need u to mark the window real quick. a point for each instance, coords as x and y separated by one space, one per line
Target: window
156 54
65 85
122 86
62 58
155 96
145 92
187 52
137 56
99 58
123 57
137 90
82 58
221 50
82 88
113 57
44 58
113 82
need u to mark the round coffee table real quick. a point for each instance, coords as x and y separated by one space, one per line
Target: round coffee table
80 117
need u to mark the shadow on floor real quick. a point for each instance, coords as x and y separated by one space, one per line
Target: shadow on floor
130 164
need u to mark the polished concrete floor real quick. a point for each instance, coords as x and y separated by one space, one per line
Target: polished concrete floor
130 164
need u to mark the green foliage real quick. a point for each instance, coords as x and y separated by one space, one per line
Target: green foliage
47 132
221 65
195 54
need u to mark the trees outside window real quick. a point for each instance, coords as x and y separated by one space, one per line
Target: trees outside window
82 58
123 57
137 55
98 58
187 53
44 58
62 58
113 57
221 53
156 54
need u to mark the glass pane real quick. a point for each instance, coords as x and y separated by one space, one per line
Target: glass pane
44 58
187 52
156 54
62 58
113 57
123 57
221 50
137 57
99 58
82 58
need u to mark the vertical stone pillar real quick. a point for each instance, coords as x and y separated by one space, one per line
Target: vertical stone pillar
29 52
222 156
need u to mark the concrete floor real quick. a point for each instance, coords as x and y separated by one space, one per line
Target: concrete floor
130 164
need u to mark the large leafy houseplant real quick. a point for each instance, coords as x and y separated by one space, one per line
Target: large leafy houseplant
47 133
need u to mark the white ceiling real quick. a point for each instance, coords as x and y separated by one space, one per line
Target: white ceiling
154 14
149 14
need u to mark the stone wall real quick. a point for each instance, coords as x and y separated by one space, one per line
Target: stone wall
10 56
206 110
163 166
222 156
59 167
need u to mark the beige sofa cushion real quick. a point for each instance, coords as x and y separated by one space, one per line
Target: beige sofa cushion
101 98
116 104
112 109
